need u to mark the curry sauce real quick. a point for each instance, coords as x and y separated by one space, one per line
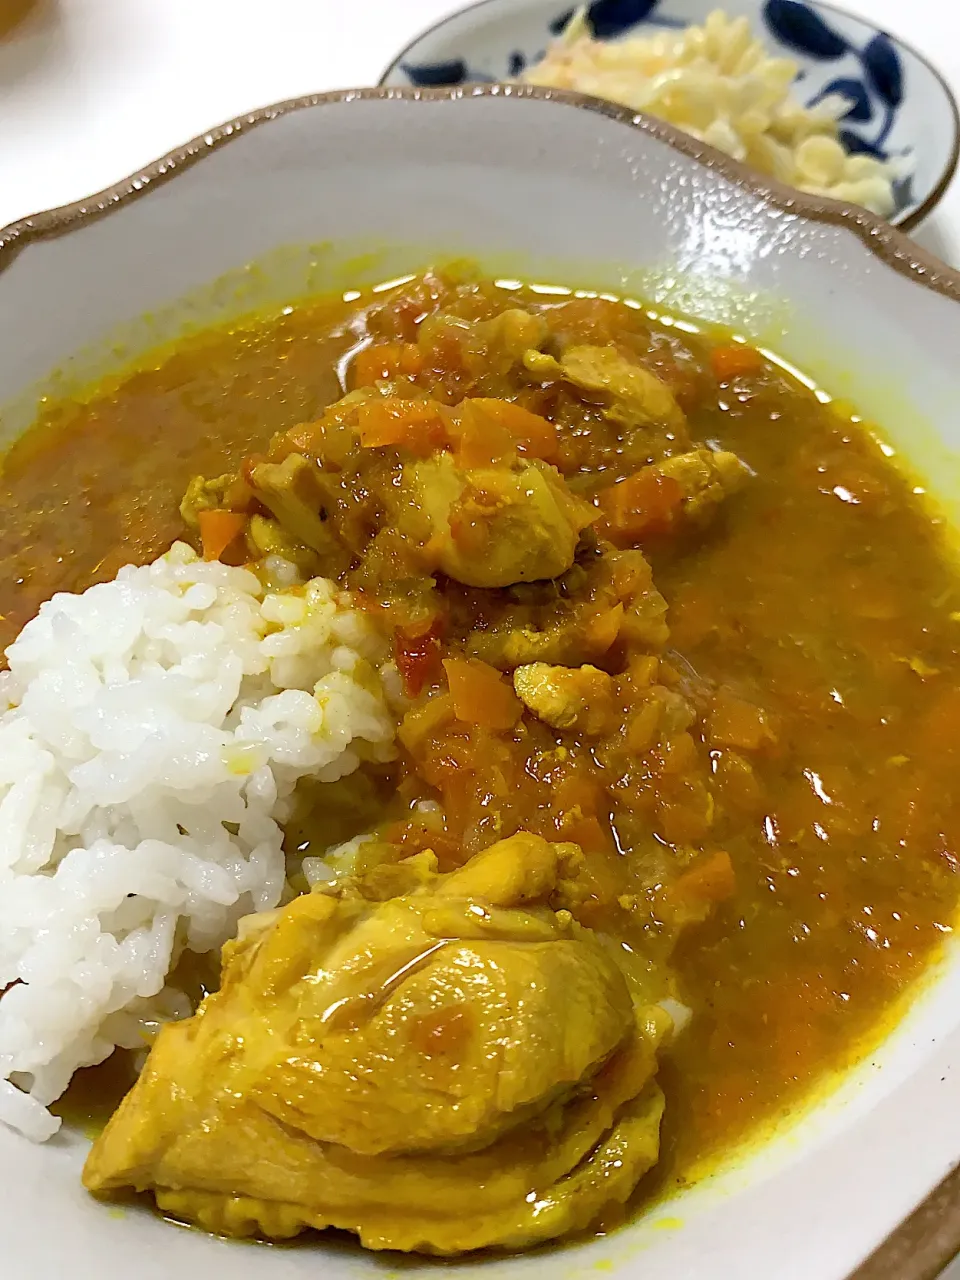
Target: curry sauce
788 840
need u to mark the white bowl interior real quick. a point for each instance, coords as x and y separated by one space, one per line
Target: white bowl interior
563 192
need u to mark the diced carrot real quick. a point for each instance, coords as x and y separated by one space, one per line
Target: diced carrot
737 723
678 755
642 670
577 792
409 424
483 440
642 725
304 438
733 361
410 363
585 831
423 723
480 694
710 879
385 361
218 529
646 502
379 427
603 630
531 434
683 817
736 782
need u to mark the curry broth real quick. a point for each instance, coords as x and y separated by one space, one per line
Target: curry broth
821 594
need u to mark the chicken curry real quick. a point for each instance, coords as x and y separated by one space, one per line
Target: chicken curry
672 824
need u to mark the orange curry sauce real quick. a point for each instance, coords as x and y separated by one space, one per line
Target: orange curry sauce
821 596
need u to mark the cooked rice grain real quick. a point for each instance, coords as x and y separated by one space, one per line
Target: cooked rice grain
152 731
718 83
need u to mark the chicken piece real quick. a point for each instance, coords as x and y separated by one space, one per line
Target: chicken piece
512 333
680 490
613 600
632 394
204 495
448 1068
268 538
559 640
485 347
496 526
706 478
566 697
293 491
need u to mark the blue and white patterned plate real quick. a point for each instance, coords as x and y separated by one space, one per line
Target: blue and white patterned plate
901 105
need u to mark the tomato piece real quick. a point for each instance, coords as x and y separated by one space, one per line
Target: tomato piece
417 656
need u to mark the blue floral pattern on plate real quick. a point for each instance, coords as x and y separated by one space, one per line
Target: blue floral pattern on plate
800 29
898 104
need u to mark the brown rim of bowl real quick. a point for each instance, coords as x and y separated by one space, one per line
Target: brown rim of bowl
903 224
886 242
908 1253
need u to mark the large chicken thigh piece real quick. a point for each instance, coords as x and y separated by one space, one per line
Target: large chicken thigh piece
434 1062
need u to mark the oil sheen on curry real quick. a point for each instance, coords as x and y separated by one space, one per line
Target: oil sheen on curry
672 822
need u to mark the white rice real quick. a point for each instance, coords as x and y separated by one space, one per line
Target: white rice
335 862
152 731
718 83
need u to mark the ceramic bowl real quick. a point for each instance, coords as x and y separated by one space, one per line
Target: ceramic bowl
557 188
900 105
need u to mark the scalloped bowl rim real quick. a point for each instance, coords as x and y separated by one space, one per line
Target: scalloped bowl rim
887 242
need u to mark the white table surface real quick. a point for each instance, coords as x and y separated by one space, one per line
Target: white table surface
92 89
